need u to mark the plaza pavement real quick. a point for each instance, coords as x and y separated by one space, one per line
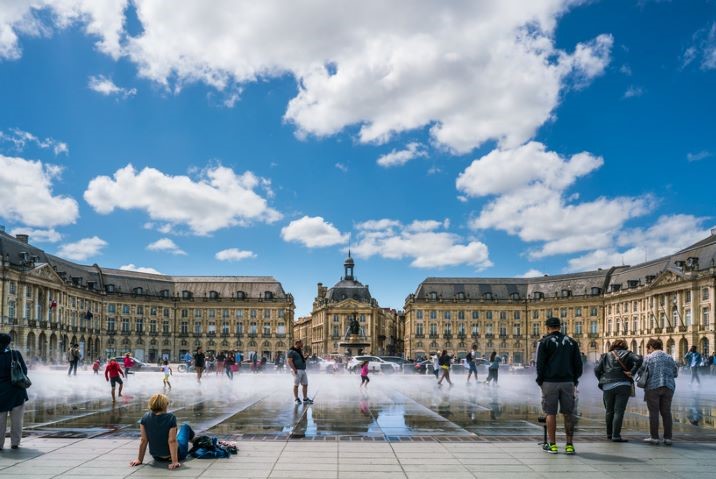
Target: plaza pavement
44 458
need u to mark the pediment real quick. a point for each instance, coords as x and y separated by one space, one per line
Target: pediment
667 277
45 272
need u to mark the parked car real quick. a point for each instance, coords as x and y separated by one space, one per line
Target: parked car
402 362
321 364
375 364
139 366
421 367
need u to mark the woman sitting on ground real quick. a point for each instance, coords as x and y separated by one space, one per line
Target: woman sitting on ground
159 431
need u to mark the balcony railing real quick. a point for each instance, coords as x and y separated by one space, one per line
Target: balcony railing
669 329
683 329
447 336
419 335
433 335
32 323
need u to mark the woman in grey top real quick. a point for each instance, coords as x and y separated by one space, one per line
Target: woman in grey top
659 391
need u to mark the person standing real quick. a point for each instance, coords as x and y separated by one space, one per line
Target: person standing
220 360
493 370
73 356
128 363
436 365
167 372
693 361
712 364
559 366
614 372
470 361
113 373
12 398
659 390
297 364
444 362
229 365
364 380
199 363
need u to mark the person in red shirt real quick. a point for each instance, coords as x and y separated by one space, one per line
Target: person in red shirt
112 373
128 364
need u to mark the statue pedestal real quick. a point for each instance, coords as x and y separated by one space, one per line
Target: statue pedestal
354 345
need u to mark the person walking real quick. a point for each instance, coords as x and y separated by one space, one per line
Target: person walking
559 367
364 380
128 364
712 364
199 363
229 364
493 370
158 429
615 371
167 373
113 373
444 362
693 361
436 365
470 361
297 363
220 360
73 356
95 366
661 370
12 398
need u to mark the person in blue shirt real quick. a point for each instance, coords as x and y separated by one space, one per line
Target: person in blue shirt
693 361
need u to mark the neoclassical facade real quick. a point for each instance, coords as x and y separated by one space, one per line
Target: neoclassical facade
48 303
671 298
332 311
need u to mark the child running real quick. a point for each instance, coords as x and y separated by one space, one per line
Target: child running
167 372
364 375
95 366
112 374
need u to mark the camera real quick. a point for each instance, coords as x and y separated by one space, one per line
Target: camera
542 419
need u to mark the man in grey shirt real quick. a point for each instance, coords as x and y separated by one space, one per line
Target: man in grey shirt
297 362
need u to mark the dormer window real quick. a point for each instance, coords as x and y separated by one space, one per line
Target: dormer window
240 295
268 295
460 295
633 283
109 288
616 287
538 295
566 293
164 293
433 295
138 290
186 294
514 296
649 278
213 295
487 296
596 291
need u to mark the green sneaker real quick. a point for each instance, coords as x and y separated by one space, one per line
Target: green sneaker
550 448
569 449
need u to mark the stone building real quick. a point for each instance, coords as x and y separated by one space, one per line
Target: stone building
333 309
670 298
48 303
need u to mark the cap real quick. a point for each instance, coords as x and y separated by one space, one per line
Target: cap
553 322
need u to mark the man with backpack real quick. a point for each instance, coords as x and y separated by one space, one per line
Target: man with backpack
73 356
559 366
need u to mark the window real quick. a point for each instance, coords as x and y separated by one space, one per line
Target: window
186 294
517 316
517 329
535 314
687 297
281 328
212 313
488 315
578 327
593 311
362 318
239 314
139 324
27 311
240 295
252 328
704 294
448 328
705 317
461 315
13 287
535 329
433 314
125 325
166 312
281 313
419 329
112 308
475 329
419 314
336 318
140 310
267 329
164 293
675 317
225 313
184 313
609 326
687 317
212 328
503 315
152 311
28 292
11 310
213 295
267 313
503 330
562 312
578 312
165 326
635 324
239 328
433 329
253 314
336 332
488 328
125 308
446 315
184 327
110 324
475 315
433 295
197 327
197 313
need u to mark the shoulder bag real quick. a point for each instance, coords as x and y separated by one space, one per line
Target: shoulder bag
642 376
627 373
17 375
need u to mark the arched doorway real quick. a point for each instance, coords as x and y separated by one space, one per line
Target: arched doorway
52 353
683 348
30 349
607 346
97 347
705 347
633 345
42 346
671 348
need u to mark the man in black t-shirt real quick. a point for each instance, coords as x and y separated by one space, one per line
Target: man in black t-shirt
199 363
470 362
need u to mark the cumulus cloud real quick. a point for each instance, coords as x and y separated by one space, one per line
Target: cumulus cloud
107 87
39 235
313 232
83 249
421 241
529 187
702 51
218 198
139 269
234 254
401 157
701 155
667 235
19 140
533 273
26 195
342 166
633 91
166 245
470 72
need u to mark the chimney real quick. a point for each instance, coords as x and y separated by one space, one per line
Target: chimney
23 238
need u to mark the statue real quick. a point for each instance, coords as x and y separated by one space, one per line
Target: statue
353 327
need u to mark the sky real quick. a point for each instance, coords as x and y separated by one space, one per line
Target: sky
479 138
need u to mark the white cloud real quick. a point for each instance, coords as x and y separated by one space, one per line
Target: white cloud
401 157
470 72
166 245
19 139
82 249
533 273
218 198
701 155
139 269
342 166
26 194
107 87
421 241
633 91
313 232
702 49
666 236
39 235
234 254
529 186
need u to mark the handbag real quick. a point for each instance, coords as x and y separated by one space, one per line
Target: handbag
17 375
627 373
642 376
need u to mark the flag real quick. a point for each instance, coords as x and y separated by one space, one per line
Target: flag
53 304
89 315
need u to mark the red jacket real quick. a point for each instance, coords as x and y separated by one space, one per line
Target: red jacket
112 371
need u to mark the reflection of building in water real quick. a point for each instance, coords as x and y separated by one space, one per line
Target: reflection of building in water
671 298
48 303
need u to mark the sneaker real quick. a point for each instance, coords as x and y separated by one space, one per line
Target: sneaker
651 440
308 401
550 448
619 439
298 402
569 449
667 442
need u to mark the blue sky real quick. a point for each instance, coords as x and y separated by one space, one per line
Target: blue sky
445 140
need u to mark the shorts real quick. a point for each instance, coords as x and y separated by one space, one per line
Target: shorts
561 394
166 379
115 381
473 368
300 378
364 379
